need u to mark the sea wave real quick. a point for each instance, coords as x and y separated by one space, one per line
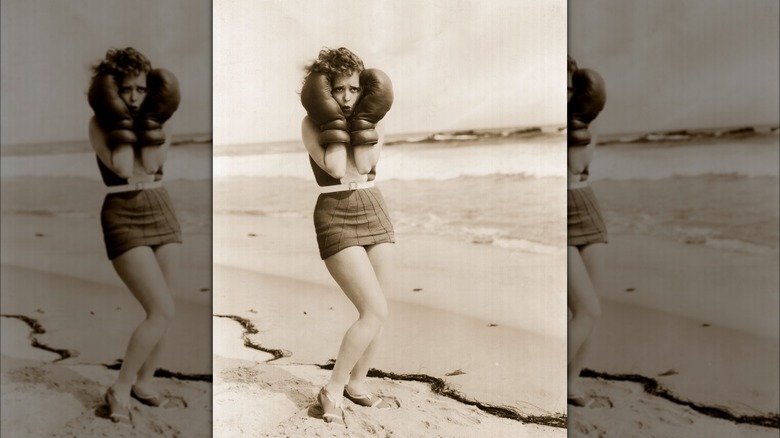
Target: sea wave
185 163
752 156
752 234
535 159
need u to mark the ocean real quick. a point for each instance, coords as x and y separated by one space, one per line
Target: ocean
503 190
64 180
487 188
720 192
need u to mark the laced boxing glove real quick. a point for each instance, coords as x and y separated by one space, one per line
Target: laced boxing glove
586 103
375 102
320 105
162 100
111 112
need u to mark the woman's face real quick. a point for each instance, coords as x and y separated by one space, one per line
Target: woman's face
346 90
132 90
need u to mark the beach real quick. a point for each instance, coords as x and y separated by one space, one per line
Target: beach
688 340
475 341
67 317
676 353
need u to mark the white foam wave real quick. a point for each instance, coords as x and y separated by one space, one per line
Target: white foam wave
181 164
536 160
626 162
740 246
529 246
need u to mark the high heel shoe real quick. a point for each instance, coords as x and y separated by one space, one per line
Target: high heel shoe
118 411
331 412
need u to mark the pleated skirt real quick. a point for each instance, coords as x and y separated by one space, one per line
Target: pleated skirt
138 218
351 218
585 223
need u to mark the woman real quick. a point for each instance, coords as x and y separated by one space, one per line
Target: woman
140 229
343 135
587 234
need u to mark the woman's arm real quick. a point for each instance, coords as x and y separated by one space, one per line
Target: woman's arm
367 156
153 156
332 159
119 160
579 157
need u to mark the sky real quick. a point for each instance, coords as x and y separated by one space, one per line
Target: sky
47 48
454 64
670 64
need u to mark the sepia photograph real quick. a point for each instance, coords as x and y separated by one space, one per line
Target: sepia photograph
673 218
389 219
106 219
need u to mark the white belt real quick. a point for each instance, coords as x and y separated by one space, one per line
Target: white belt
134 186
576 184
347 187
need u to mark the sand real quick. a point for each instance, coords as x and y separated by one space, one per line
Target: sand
688 341
262 400
269 274
56 277
687 346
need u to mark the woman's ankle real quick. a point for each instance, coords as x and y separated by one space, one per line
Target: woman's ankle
334 390
143 385
121 391
356 387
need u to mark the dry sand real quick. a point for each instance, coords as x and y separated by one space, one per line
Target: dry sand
56 277
677 353
268 273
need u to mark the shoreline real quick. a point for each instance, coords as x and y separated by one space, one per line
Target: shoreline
60 292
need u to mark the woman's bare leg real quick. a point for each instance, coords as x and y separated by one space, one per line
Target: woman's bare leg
381 257
140 271
352 270
168 258
585 268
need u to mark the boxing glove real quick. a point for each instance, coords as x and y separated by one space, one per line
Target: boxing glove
162 100
579 134
587 101
375 102
111 112
320 105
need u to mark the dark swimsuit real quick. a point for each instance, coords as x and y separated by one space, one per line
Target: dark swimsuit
585 224
136 218
351 217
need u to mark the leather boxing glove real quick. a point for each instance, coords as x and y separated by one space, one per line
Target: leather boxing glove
587 101
111 112
320 105
375 102
162 100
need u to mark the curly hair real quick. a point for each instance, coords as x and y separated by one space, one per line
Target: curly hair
122 62
335 62
572 65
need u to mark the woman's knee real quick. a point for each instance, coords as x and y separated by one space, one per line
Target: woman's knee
591 311
377 315
594 310
163 313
